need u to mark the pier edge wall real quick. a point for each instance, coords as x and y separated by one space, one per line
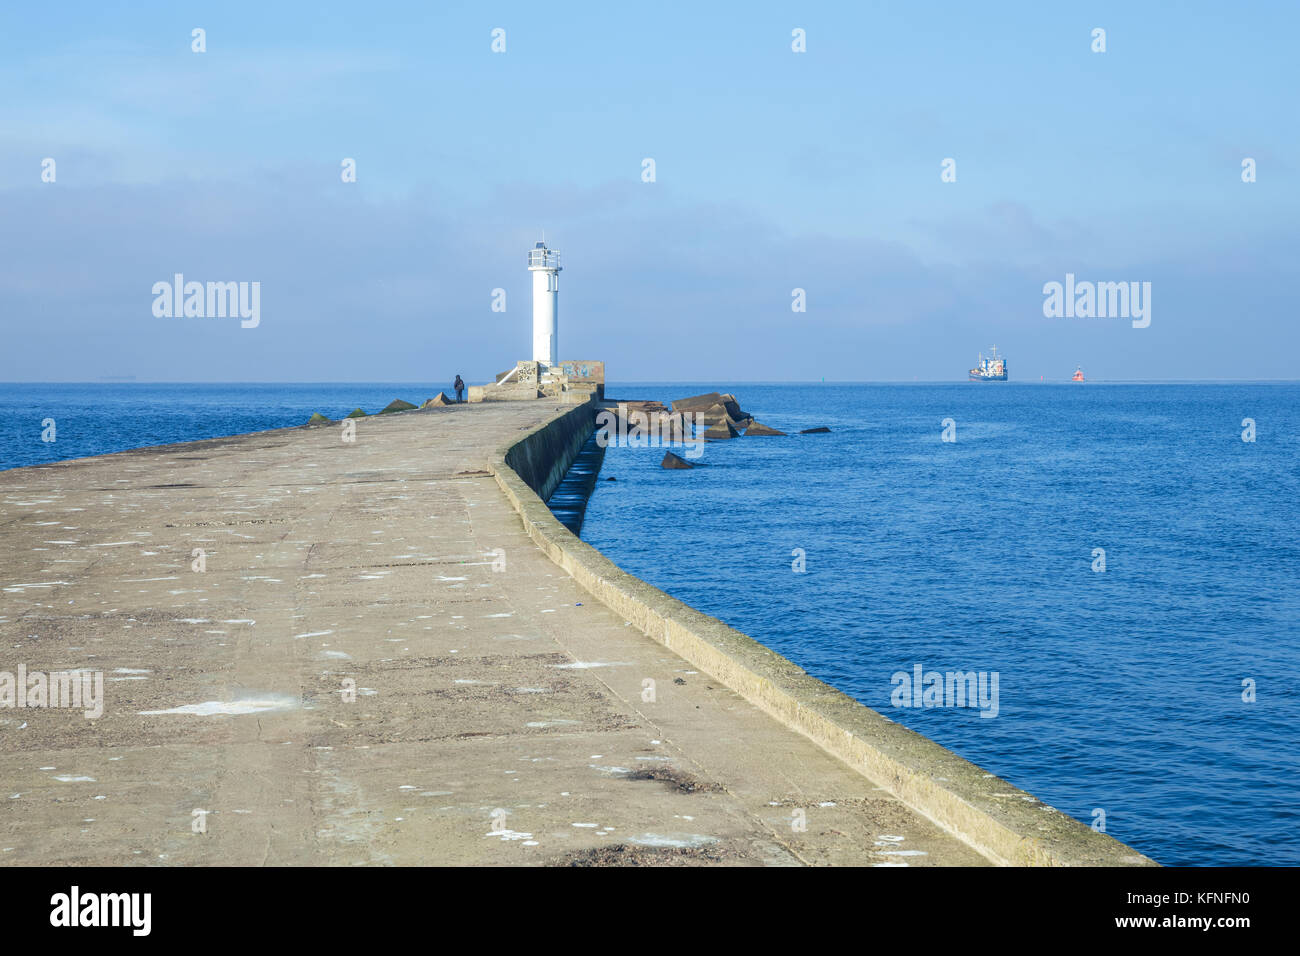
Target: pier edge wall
1002 822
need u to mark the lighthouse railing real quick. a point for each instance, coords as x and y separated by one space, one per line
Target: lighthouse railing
543 259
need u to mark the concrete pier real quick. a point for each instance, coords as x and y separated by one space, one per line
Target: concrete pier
326 652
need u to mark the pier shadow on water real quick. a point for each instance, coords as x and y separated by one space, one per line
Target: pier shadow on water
569 500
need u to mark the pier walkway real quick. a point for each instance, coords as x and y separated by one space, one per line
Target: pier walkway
320 652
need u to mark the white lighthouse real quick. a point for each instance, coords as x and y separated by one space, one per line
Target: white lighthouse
544 264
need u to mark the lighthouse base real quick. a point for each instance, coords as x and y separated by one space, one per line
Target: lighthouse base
571 381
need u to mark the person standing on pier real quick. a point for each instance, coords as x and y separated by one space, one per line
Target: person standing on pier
459 386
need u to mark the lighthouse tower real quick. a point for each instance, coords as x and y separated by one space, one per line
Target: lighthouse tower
544 264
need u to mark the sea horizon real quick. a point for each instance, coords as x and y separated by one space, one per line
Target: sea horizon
615 383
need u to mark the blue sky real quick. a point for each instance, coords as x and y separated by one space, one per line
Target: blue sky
775 170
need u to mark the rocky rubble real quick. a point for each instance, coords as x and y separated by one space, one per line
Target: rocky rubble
720 412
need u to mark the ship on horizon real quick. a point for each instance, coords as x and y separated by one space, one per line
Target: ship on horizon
1078 374
992 369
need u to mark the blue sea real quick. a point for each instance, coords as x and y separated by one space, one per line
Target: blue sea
98 418
1119 690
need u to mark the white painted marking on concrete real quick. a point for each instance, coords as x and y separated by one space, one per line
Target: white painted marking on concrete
509 835
223 708
587 665
683 840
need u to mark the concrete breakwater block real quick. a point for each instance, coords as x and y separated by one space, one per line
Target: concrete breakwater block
819 430
698 403
713 407
732 407
722 413
643 411
396 405
643 414
317 419
652 418
438 401
356 413
721 432
674 461
713 415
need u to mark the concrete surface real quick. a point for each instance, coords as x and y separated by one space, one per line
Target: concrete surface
501 715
